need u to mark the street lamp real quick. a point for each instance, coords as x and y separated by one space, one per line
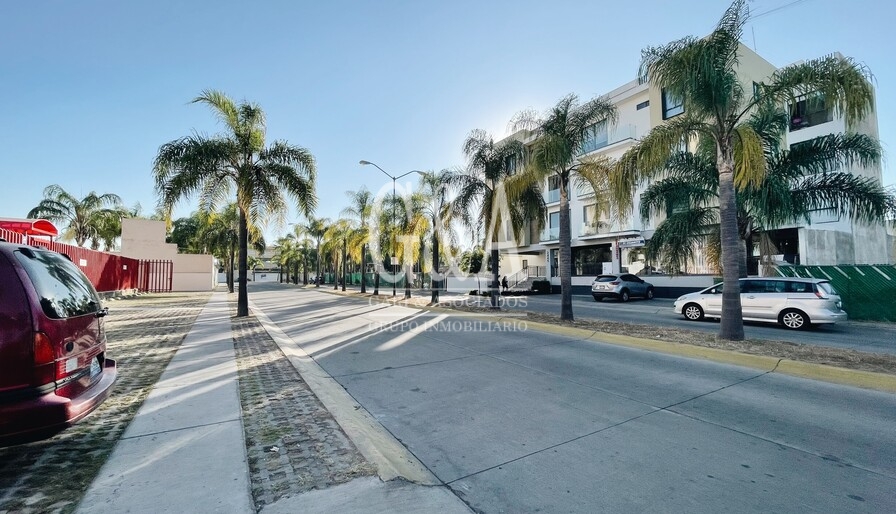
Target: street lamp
407 289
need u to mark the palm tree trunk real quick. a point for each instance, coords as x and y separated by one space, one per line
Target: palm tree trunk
732 325
317 278
363 267
344 262
242 299
433 284
493 285
565 257
230 269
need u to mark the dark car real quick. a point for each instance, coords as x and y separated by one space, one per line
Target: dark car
622 286
53 365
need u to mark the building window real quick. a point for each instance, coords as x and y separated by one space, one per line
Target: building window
671 106
810 111
589 261
756 90
642 105
596 138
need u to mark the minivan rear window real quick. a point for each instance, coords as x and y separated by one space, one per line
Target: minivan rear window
827 287
64 291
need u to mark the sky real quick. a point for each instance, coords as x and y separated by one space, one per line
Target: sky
91 89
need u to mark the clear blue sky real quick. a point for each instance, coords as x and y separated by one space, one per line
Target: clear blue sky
90 89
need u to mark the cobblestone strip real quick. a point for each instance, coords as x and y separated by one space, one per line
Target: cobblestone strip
293 443
143 334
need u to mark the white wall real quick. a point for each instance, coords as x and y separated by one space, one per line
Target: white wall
145 239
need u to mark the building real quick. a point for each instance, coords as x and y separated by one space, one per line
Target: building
617 245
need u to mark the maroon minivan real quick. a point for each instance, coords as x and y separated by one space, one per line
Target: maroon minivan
53 365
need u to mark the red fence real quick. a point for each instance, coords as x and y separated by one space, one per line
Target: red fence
106 271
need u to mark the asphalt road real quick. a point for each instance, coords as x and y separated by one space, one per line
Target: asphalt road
855 335
515 420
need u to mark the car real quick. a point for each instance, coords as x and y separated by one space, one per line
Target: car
622 286
53 365
795 303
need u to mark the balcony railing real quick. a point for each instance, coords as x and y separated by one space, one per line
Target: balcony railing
552 195
592 229
616 134
550 234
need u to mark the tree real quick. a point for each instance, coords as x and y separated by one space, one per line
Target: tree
83 218
238 159
797 181
316 228
435 205
337 236
489 193
360 209
218 234
561 136
702 74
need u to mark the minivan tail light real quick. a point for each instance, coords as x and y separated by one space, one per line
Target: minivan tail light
820 294
44 360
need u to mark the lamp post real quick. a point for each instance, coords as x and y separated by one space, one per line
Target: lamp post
407 289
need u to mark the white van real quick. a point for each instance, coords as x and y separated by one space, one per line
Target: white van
793 302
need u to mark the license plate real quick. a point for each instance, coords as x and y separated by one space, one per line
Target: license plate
95 367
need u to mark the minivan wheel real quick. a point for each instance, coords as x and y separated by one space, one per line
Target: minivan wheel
649 293
794 320
693 312
624 295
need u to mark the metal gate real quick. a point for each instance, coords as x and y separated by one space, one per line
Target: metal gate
156 276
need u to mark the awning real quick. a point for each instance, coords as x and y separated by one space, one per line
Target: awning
38 227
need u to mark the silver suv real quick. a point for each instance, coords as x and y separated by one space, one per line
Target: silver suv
793 302
622 286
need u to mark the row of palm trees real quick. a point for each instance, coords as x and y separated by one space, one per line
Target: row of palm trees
734 175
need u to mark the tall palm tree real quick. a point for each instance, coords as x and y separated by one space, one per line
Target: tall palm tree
797 181
83 218
488 196
316 228
561 136
432 196
702 74
361 208
261 175
336 238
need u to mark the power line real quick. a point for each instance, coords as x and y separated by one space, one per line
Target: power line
775 9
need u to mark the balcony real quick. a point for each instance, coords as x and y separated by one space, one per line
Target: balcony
603 139
550 234
592 229
552 196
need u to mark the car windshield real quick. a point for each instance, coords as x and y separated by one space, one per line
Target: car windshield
827 288
605 278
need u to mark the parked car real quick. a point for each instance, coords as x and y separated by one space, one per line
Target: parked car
793 302
622 286
53 365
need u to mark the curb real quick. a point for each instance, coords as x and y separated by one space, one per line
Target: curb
823 372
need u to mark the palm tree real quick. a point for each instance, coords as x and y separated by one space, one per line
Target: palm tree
702 74
561 136
360 209
316 228
490 195
797 181
435 205
82 217
239 159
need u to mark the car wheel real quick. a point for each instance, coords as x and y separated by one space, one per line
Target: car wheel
693 312
597 298
624 295
649 293
794 320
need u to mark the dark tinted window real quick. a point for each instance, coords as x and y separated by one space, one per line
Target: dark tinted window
63 290
605 278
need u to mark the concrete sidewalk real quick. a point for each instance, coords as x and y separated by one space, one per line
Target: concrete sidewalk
184 451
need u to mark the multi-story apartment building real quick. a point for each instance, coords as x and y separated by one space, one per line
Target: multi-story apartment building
617 245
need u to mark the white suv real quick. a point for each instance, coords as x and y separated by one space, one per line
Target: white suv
793 302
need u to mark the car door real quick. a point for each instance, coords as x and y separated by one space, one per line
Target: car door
712 301
635 285
762 299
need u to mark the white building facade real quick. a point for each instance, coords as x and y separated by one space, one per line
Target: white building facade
613 246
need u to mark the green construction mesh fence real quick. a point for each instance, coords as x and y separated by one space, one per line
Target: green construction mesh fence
868 291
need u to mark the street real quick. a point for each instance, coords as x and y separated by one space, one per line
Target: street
515 420
854 335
